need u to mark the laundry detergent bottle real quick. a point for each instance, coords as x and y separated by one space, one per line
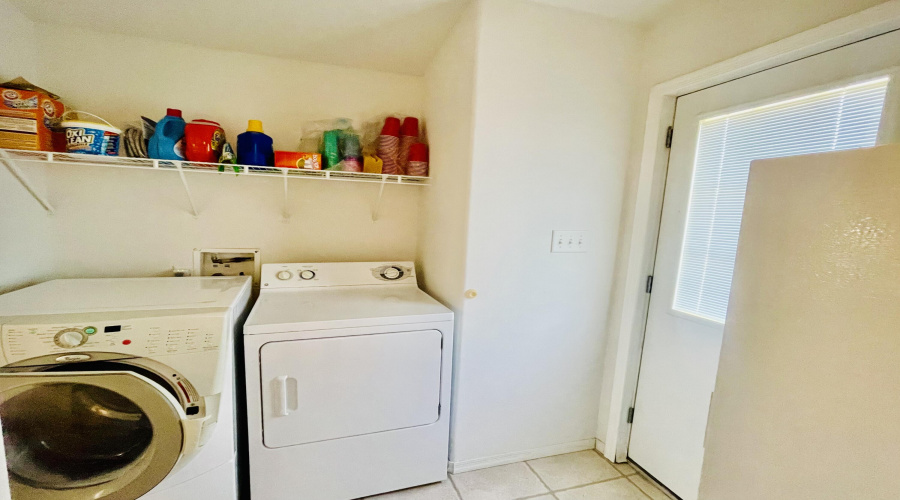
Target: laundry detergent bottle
167 142
254 147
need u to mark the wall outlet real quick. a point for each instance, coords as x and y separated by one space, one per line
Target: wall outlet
569 242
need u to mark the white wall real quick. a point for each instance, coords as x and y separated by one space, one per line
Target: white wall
18 55
444 212
554 100
130 223
692 35
25 252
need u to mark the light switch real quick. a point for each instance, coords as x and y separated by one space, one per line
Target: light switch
568 242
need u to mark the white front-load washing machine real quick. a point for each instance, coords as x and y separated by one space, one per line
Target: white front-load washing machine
348 371
117 389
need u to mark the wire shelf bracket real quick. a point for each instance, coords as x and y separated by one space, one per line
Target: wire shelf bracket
376 207
285 212
187 188
23 180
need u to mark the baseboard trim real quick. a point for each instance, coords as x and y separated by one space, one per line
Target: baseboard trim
519 456
599 446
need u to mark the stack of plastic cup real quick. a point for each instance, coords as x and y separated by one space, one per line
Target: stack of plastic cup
409 135
389 146
418 160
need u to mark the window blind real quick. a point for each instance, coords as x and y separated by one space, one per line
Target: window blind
842 118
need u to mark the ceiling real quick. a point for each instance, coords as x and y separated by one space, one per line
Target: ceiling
400 36
637 11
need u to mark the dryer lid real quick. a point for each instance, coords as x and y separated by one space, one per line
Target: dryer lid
342 307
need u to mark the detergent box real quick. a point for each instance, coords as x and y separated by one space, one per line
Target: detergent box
291 159
28 116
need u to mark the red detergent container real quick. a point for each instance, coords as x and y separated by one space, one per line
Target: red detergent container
203 141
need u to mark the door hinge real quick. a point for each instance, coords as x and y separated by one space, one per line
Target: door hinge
669 133
649 287
631 415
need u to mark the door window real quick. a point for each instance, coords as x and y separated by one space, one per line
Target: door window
71 435
843 118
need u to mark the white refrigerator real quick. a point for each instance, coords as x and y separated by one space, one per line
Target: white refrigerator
807 398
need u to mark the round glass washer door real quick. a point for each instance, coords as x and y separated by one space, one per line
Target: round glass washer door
89 435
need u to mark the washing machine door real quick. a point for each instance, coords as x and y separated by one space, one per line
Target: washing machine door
89 435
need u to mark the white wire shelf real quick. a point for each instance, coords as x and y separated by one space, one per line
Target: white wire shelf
212 168
11 158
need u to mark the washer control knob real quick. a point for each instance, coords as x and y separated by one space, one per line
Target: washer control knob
392 273
70 338
284 275
306 274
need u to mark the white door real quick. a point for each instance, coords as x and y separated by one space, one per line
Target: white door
330 388
841 99
87 436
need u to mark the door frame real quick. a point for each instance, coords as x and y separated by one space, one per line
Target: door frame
642 237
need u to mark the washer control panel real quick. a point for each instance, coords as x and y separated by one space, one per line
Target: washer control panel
156 336
308 275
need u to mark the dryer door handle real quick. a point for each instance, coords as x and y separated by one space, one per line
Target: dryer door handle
281 396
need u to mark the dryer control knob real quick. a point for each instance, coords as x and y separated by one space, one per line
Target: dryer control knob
284 275
70 338
306 274
392 273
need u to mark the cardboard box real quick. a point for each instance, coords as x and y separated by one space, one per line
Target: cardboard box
293 159
28 116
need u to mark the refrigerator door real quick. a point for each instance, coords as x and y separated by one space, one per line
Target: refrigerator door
807 398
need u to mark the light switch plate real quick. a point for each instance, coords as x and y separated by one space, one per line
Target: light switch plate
569 242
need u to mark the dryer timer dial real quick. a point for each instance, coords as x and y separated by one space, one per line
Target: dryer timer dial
392 273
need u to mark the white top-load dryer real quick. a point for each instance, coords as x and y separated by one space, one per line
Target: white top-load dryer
117 389
348 381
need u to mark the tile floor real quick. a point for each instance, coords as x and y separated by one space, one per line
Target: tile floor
584 475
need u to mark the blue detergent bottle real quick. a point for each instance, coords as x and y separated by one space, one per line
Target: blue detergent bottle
254 147
167 142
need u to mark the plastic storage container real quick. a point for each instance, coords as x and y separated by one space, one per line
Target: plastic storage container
254 147
203 141
89 137
167 142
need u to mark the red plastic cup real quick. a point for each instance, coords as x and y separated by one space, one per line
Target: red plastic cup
391 127
410 127
418 152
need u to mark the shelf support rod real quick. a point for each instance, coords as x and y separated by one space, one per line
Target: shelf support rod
14 170
285 212
187 189
376 210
